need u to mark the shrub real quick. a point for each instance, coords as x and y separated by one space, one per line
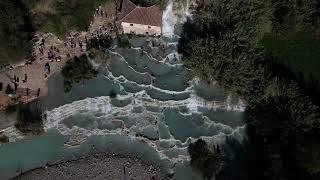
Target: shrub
12 105
103 41
29 118
123 41
208 162
77 70
4 139
113 94
9 90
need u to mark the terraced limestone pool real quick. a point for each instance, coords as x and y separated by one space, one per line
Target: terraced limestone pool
158 111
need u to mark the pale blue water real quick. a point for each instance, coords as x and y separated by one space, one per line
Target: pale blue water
157 113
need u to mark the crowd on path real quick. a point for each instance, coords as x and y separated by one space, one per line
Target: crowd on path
49 55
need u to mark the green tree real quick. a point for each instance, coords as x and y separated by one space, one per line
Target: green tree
30 118
222 43
77 70
209 163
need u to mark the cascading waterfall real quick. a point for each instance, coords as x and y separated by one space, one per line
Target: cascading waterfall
157 108
143 115
169 20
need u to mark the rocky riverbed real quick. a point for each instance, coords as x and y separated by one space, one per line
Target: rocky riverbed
97 166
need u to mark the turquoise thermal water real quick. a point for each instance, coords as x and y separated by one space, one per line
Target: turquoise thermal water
158 111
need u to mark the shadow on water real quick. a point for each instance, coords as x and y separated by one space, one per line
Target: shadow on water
100 86
237 157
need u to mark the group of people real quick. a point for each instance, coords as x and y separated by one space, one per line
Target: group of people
74 41
54 54
16 81
46 55
107 25
99 12
41 47
103 30
5 66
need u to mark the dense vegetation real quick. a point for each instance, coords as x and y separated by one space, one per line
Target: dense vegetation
148 3
100 43
77 70
227 42
209 162
16 31
61 16
12 105
29 118
98 47
19 19
4 139
292 51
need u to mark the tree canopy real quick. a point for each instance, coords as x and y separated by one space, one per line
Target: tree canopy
209 162
61 16
16 31
148 3
29 118
77 70
223 42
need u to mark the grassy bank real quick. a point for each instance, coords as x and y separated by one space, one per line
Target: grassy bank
60 16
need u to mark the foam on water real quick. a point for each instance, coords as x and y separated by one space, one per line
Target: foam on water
166 118
102 118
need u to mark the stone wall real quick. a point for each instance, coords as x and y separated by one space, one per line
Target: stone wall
132 28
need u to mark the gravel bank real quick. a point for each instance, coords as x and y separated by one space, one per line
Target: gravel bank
104 166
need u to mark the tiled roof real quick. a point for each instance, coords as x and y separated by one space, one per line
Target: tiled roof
126 7
141 15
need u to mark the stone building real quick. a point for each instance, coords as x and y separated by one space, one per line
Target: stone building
140 20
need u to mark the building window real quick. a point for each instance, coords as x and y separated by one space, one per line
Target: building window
147 32
131 24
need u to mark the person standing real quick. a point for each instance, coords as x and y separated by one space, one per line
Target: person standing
15 87
25 78
38 92
80 45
